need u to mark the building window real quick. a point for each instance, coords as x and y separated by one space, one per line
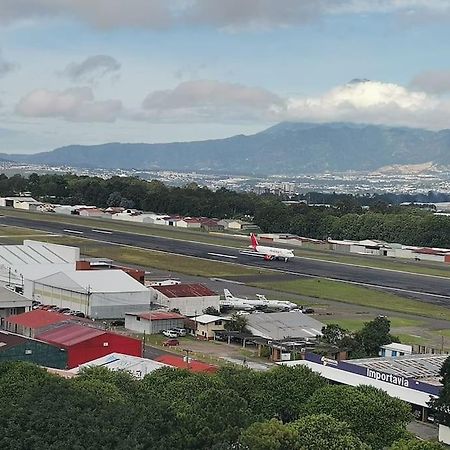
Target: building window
218 322
383 352
138 318
394 353
105 344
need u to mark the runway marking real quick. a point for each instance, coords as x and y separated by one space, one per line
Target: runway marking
223 256
73 231
102 231
223 280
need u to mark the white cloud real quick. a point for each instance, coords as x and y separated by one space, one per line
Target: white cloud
372 102
92 68
210 100
229 14
76 104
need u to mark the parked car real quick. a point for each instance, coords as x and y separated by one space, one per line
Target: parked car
170 333
171 343
180 331
79 314
308 311
117 323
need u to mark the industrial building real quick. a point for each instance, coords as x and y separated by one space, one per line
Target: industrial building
188 299
139 367
84 343
12 303
99 294
153 322
32 322
284 325
412 378
14 347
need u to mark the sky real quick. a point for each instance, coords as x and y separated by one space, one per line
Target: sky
96 71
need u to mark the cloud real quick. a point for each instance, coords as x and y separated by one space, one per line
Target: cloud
76 104
92 68
364 101
210 100
432 81
6 66
229 14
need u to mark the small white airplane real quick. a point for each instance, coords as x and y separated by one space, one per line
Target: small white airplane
260 302
268 253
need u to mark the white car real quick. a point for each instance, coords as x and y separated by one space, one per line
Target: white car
180 331
170 333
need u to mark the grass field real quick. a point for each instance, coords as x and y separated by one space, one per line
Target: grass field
356 324
357 295
7 231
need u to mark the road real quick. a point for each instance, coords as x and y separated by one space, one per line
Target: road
428 288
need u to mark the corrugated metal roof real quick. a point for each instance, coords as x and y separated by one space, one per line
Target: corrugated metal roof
110 280
207 318
283 325
179 362
38 318
70 334
157 315
185 290
8 340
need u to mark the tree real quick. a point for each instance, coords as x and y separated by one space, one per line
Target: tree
211 310
415 444
317 432
333 334
374 334
271 435
366 409
236 323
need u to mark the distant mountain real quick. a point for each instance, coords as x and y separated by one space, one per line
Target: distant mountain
288 148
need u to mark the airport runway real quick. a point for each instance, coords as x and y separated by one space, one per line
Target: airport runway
431 289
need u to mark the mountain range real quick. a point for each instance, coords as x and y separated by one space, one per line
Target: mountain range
286 148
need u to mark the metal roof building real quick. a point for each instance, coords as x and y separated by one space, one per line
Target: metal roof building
99 294
284 325
412 378
139 367
84 343
189 299
12 302
14 347
153 322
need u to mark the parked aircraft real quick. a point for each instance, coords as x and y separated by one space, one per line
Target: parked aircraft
268 253
260 302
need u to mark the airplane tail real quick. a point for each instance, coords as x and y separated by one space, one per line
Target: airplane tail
228 294
254 241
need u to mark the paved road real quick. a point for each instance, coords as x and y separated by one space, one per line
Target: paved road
430 289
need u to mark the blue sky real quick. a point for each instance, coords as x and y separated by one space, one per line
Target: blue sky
86 72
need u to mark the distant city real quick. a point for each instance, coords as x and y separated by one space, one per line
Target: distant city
391 181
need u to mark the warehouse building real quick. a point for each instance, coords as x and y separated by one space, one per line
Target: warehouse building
139 367
153 322
99 294
284 325
188 299
14 347
412 378
84 343
206 325
12 303
31 323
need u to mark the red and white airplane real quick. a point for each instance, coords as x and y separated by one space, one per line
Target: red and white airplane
268 253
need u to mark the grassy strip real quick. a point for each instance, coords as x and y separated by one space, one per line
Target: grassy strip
357 295
15 231
357 324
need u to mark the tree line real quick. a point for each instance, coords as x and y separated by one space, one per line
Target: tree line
344 218
288 408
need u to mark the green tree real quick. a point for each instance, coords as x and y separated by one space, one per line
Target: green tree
415 444
441 404
366 409
319 432
271 435
236 323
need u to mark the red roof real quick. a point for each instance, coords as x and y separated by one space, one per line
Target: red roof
70 334
159 315
185 290
38 318
194 366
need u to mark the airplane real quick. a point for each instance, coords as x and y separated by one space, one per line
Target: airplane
260 302
268 253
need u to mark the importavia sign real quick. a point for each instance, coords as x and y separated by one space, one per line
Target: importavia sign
398 380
